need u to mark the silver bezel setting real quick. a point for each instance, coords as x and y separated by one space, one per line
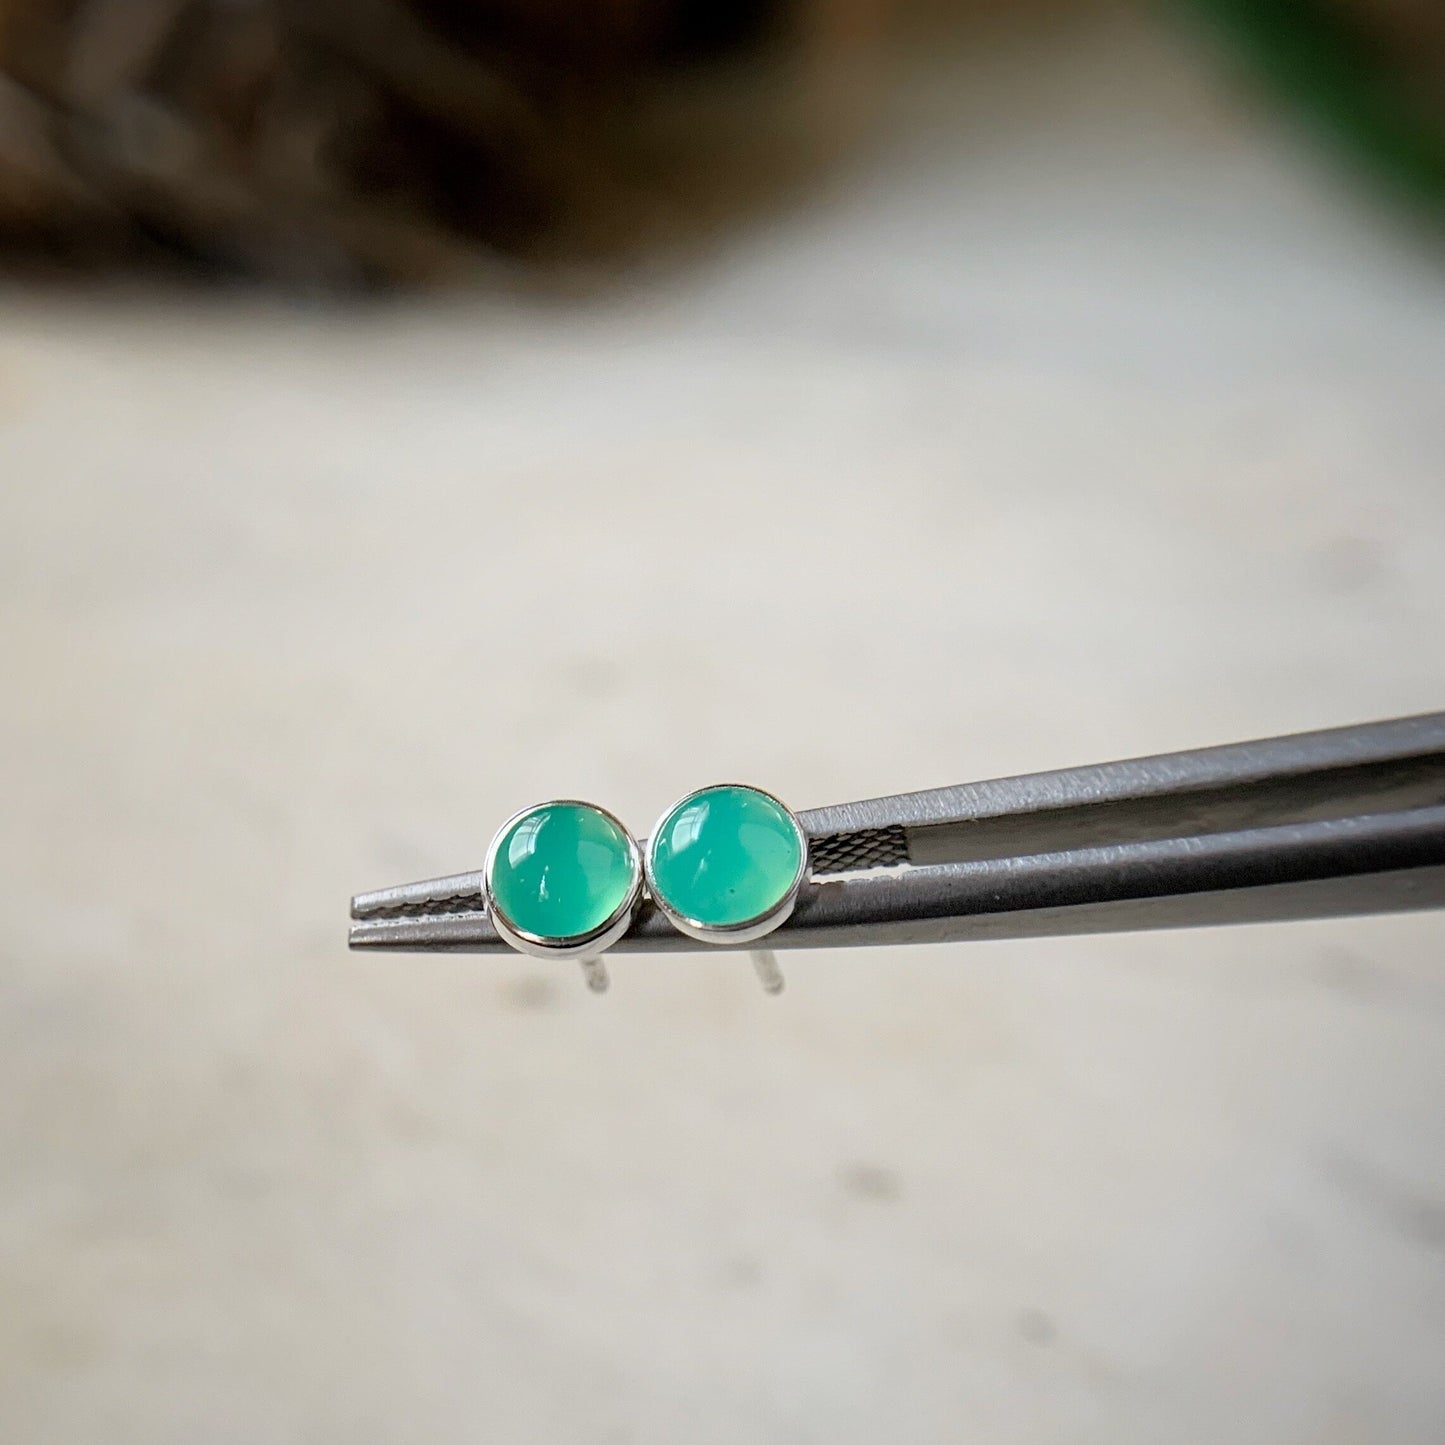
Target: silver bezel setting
573 945
749 929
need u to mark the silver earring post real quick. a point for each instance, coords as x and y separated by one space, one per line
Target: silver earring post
765 963
595 972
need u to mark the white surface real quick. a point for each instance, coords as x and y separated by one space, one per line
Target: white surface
1082 420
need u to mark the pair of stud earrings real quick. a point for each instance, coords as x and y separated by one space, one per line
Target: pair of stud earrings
724 864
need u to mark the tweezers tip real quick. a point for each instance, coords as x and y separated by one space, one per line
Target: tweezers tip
363 904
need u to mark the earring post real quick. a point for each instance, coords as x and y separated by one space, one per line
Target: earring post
765 961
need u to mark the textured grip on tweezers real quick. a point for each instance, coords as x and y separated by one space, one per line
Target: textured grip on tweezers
858 851
434 907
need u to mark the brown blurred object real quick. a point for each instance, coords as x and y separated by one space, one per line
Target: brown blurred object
331 141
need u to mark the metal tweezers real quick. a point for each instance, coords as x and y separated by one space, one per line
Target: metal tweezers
1318 825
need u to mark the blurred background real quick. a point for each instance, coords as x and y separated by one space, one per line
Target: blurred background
411 409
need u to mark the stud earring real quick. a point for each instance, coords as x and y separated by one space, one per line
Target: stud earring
563 880
725 864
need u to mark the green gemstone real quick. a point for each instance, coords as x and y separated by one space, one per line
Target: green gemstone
725 857
561 871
